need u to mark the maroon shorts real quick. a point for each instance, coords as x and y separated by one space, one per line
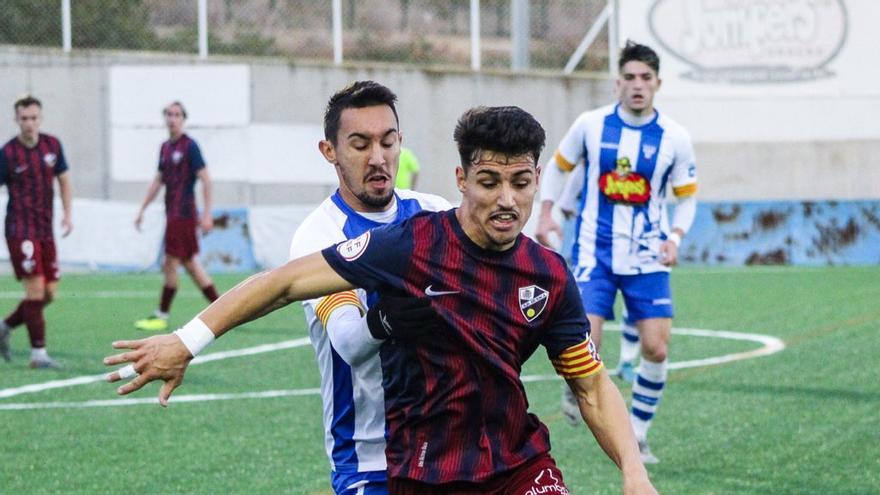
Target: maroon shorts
180 238
34 258
538 476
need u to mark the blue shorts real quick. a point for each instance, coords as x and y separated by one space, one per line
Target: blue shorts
366 483
646 296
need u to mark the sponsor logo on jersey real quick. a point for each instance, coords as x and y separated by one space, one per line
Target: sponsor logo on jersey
352 249
532 301
547 483
624 186
49 159
176 156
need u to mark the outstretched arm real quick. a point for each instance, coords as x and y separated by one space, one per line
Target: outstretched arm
605 413
165 357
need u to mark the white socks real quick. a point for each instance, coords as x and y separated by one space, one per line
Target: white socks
647 391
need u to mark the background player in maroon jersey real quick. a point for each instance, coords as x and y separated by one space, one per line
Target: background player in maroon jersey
457 413
180 165
28 164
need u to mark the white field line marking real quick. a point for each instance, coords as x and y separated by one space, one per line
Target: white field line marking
81 380
771 345
100 294
268 394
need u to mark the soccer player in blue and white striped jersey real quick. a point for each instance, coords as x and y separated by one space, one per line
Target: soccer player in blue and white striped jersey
362 141
632 155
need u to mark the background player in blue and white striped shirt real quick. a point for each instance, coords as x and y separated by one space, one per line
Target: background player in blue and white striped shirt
632 155
362 142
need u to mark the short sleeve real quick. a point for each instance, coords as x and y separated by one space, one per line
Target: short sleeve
568 342
60 161
196 161
684 170
375 260
571 148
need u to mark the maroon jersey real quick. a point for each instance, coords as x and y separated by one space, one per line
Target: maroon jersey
28 173
179 164
455 407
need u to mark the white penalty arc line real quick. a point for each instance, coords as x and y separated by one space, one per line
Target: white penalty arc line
770 345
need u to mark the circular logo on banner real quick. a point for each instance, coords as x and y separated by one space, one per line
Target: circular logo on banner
352 249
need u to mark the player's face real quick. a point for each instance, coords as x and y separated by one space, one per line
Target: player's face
29 119
366 156
497 195
636 87
174 120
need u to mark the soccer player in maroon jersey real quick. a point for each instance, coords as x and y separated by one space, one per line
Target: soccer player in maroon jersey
456 408
180 165
28 164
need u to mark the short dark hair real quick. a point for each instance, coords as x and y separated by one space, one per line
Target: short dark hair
175 103
639 53
508 130
25 101
360 94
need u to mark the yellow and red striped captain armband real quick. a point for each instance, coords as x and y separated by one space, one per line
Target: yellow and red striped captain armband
578 361
685 191
333 302
562 163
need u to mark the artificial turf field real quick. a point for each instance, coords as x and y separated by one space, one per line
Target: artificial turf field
801 421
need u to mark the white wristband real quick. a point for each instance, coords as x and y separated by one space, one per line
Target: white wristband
675 238
195 335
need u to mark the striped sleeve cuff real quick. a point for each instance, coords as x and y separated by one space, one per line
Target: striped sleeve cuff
578 361
334 301
562 163
685 190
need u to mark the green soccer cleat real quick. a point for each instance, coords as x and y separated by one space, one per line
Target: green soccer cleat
152 324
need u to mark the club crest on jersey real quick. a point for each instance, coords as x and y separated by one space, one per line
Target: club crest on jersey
352 249
624 186
648 150
176 156
49 159
532 301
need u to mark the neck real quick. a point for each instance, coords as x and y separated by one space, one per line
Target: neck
175 135
634 118
28 141
472 233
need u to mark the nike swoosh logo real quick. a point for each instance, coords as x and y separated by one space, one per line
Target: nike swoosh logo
21 168
431 292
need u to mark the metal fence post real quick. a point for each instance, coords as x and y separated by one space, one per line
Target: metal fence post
613 42
475 35
66 31
203 28
337 32
519 32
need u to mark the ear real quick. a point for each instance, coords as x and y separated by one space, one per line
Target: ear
326 148
460 179
659 83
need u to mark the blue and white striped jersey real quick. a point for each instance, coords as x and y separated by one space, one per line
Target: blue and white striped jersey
621 213
348 358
